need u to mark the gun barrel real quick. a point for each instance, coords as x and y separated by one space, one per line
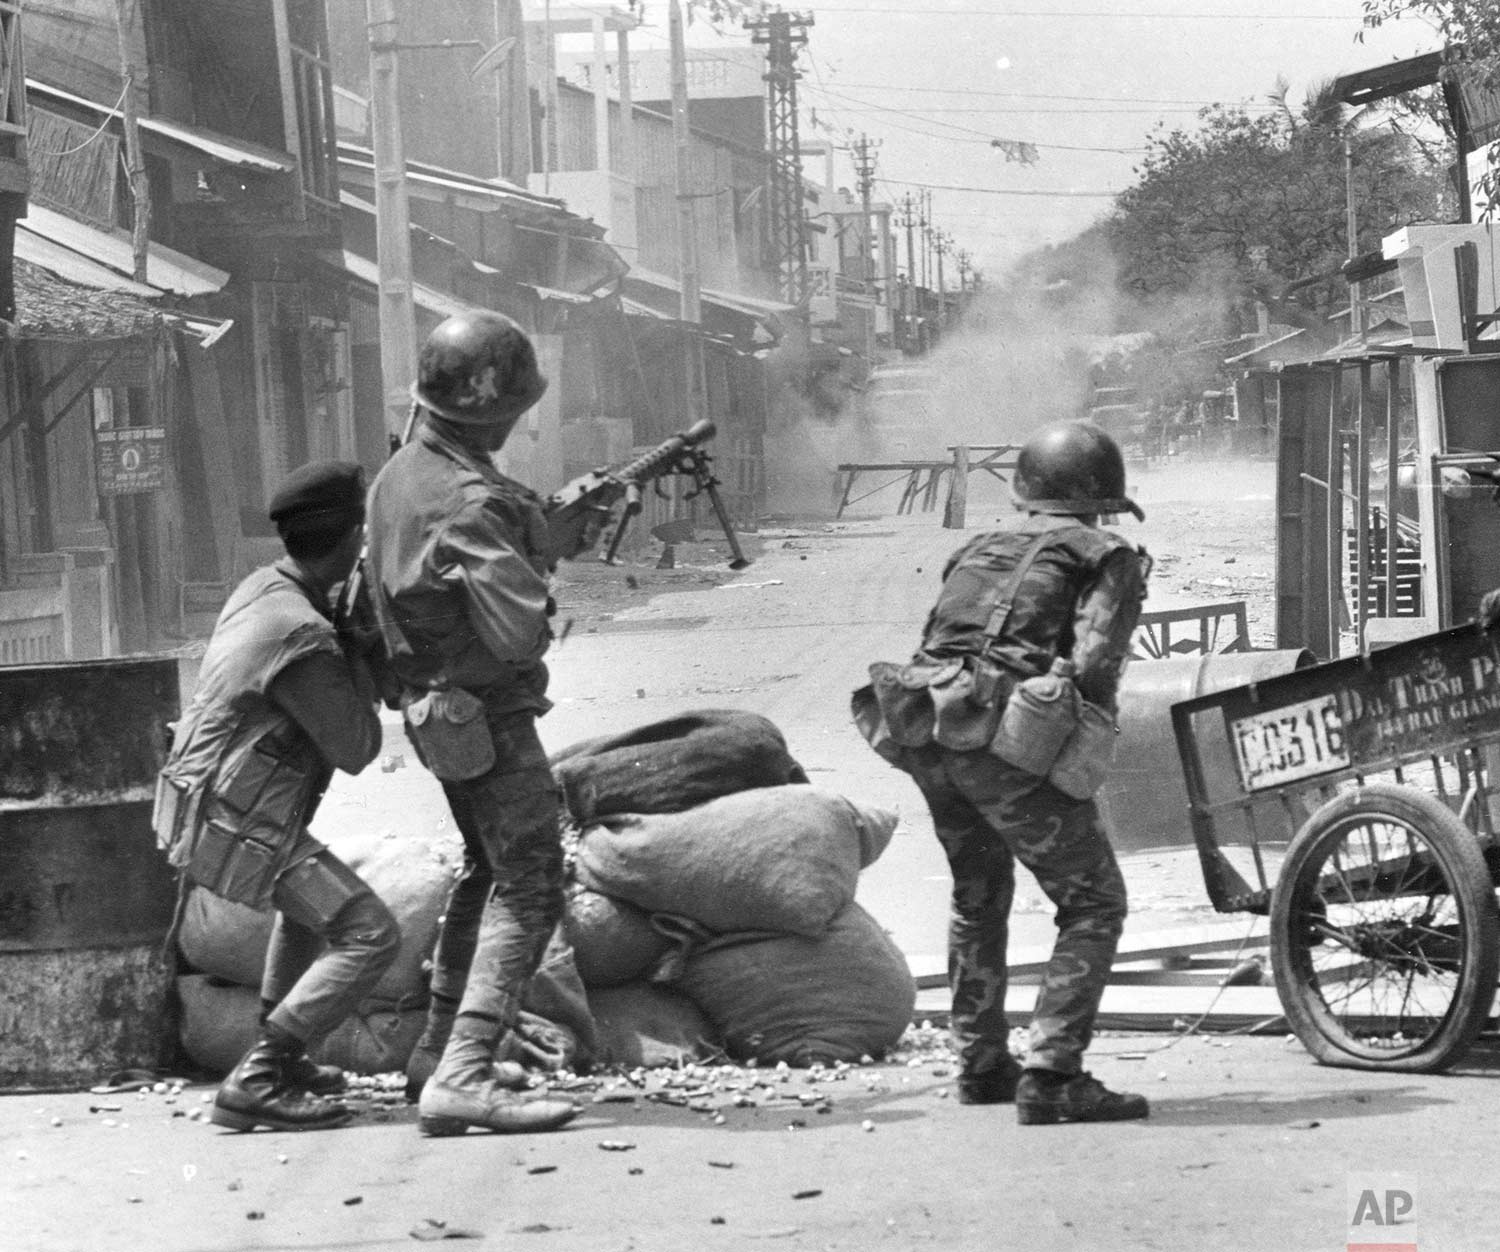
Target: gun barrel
660 458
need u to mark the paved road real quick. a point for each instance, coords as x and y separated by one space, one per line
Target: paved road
1251 1146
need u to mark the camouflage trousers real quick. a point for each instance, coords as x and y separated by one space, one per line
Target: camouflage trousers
988 816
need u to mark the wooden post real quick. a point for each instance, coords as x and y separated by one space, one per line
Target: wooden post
1365 421
958 490
1392 488
135 158
1334 515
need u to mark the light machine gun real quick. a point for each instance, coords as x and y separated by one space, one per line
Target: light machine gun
571 506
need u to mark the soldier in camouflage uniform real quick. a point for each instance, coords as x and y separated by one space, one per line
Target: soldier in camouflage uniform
1078 597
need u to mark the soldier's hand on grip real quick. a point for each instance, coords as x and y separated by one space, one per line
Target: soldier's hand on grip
576 531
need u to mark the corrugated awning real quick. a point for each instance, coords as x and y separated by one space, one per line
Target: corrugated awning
226 149
424 297
74 267
166 269
491 192
768 317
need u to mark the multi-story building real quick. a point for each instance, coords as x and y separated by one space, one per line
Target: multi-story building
153 454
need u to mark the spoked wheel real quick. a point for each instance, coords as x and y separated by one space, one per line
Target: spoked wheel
1385 935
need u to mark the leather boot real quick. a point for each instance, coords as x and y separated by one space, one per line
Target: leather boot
259 1092
303 1072
1044 1098
424 1058
991 1086
463 1092
319 1080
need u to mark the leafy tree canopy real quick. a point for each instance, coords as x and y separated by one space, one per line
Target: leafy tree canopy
1257 204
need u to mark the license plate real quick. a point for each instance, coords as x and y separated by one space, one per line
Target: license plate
1290 743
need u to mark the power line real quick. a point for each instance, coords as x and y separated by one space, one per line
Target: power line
1017 95
1094 14
987 136
1000 191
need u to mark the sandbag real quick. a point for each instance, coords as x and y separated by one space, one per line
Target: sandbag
645 1025
220 1022
228 940
673 764
613 942
783 859
838 997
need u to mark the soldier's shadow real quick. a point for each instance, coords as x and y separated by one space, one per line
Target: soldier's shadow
1303 1112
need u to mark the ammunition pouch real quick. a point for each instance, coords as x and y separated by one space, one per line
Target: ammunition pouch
450 732
174 817
966 704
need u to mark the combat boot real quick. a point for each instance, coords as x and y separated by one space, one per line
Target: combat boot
424 1058
301 1071
1044 1098
991 1086
315 1079
463 1092
259 1092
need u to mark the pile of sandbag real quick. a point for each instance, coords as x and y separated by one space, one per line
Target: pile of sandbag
734 888
711 908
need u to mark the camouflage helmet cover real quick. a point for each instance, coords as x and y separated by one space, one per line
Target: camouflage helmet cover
478 369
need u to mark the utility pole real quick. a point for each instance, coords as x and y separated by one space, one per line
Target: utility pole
398 323
940 244
909 219
135 158
783 34
687 219
864 168
864 171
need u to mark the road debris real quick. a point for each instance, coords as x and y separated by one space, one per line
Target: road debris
430 1230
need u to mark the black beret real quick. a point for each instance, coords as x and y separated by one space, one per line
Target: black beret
319 491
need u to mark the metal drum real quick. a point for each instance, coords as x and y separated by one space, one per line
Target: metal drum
85 898
1144 801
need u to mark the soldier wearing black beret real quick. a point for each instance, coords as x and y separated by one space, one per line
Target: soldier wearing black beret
280 704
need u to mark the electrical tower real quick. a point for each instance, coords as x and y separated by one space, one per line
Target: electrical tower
783 34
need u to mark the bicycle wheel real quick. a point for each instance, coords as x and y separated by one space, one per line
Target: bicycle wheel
1385 935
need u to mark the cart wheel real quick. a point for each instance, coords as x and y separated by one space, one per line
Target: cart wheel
1385 935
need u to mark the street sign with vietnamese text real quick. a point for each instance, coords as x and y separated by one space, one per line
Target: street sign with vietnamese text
130 459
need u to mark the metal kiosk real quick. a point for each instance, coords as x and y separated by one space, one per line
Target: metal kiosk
1355 803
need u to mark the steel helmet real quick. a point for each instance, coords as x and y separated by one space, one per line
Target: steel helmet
1072 468
478 369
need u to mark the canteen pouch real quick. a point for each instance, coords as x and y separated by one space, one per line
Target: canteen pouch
450 732
1083 763
1039 719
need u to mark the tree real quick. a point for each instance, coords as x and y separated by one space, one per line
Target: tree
1256 204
